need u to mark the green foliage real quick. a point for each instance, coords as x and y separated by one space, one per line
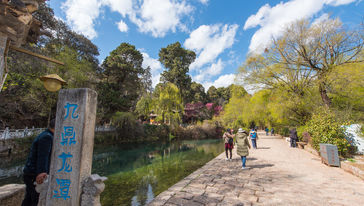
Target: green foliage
351 160
198 93
300 131
212 95
324 127
236 112
169 104
144 107
177 61
126 124
347 91
121 83
24 101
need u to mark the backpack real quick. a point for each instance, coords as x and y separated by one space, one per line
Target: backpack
253 135
231 141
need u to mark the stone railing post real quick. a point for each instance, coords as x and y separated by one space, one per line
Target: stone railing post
73 143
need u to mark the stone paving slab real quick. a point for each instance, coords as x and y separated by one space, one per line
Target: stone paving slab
278 175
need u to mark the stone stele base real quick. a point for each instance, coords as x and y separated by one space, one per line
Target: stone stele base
12 194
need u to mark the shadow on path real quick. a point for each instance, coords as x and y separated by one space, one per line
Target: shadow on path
263 148
261 166
270 138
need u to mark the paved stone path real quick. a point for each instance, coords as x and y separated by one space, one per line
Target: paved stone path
278 175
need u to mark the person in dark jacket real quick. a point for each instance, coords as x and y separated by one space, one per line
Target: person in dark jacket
294 137
37 166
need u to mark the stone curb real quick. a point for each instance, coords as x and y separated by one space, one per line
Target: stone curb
351 169
163 197
343 164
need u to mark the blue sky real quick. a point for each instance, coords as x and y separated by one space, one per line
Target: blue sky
221 32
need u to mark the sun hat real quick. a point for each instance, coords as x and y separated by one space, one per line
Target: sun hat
240 130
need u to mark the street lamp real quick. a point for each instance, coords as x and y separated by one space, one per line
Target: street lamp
52 82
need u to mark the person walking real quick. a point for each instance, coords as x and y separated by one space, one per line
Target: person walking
37 166
293 136
254 136
243 146
272 132
229 143
266 131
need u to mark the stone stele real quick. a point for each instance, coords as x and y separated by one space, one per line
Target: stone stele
73 143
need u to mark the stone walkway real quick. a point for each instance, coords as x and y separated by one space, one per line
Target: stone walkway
278 175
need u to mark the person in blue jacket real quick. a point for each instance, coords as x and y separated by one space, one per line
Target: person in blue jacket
253 137
37 166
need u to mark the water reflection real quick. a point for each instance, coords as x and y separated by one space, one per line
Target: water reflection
143 174
138 172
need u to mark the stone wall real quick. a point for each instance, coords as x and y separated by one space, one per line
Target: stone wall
12 194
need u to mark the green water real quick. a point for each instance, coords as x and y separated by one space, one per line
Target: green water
139 172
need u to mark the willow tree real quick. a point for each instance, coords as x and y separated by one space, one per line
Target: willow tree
169 104
306 53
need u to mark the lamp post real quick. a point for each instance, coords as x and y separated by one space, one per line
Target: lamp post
52 82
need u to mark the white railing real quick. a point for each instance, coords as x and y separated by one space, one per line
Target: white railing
104 129
21 133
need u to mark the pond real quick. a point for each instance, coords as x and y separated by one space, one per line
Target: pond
139 172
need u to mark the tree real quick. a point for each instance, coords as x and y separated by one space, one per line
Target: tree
198 93
144 107
146 81
237 90
309 52
23 100
177 61
346 89
212 95
224 94
121 80
169 104
236 111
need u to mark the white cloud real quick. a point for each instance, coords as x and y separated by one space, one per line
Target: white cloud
204 1
211 71
338 2
216 68
155 66
160 16
209 42
323 17
155 79
272 20
223 81
81 14
122 26
151 16
123 7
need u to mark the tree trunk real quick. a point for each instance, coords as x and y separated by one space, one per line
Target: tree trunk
323 92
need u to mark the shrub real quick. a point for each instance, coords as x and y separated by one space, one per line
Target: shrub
284 131
325 128
127 125
301 133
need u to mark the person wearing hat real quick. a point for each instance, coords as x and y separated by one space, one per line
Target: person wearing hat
229 143
254 136
243 146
